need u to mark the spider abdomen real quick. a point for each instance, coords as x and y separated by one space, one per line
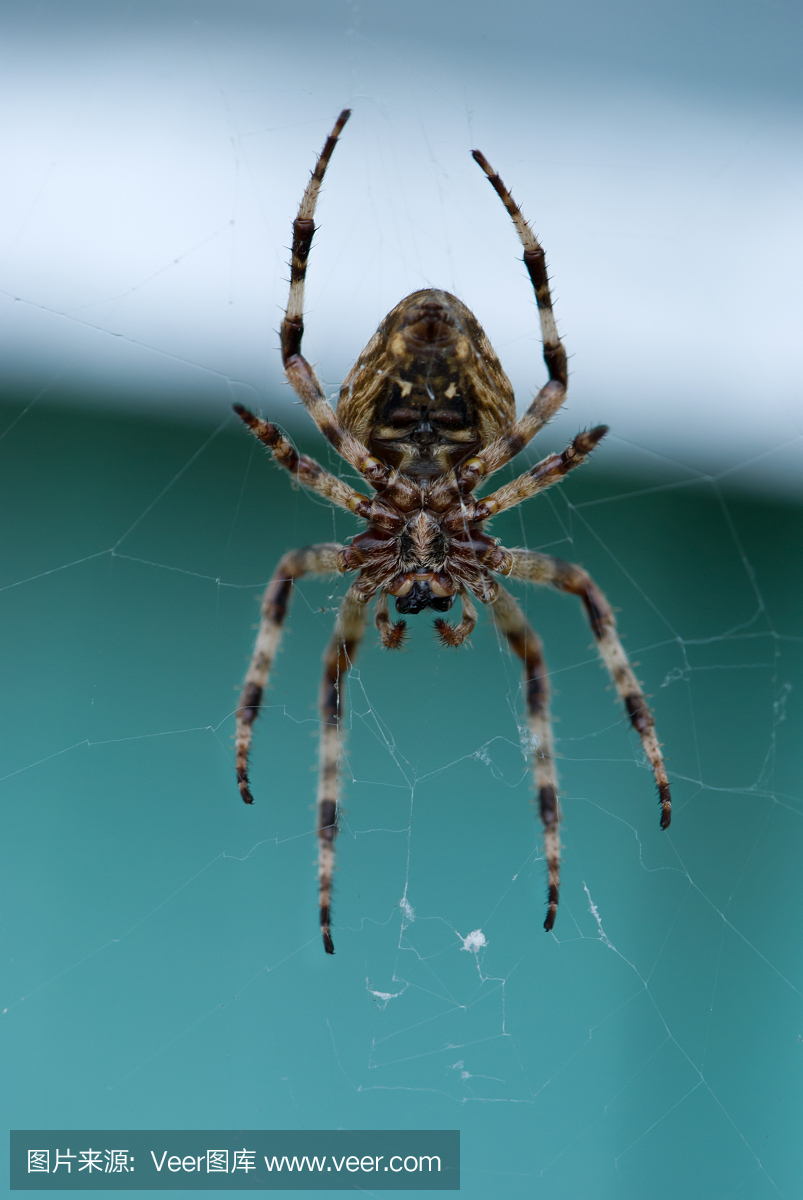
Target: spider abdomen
428 390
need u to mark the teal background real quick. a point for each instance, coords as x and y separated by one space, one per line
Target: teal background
161 961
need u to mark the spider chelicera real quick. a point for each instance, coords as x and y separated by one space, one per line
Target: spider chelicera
425 415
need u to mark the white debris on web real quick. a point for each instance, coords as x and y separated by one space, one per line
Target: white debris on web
385 997
475 941
592 908
675 675
408 911
483 756
528 741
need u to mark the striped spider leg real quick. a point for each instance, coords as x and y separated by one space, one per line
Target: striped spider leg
300 374
525 642
534 567
323 559
339 656
541 568
553 393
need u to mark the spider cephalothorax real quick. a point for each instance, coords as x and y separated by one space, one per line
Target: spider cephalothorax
425 415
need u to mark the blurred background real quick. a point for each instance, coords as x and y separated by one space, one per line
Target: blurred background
162 964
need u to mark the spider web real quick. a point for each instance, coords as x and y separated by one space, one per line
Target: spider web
164 967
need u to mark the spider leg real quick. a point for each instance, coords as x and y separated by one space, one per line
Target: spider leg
321 559
339 656
535 262
566 577
525 642
392 633
306 470
500 451
455 635
303 233
300 374
552 395
549 470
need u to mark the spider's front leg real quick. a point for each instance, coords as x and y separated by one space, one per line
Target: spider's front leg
566 577
323 559
525 642
337 659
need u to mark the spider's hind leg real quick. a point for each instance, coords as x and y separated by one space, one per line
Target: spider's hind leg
535 262
552 395
525 642
300 374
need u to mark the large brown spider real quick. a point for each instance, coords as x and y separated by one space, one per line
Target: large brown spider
426 414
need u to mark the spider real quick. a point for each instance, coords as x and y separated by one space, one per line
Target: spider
425 415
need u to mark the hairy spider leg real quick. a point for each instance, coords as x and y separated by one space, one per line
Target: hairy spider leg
300 374
305 470
566 577
525 642
535 262
552 395
321 560
550 470
337 659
